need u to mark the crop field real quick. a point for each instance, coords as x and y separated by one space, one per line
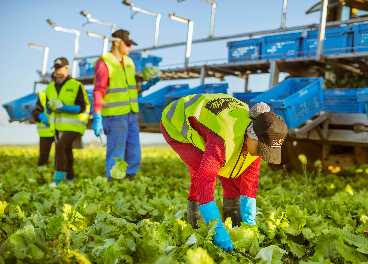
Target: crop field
310 217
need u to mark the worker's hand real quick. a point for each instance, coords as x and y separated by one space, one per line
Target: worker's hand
150 83
248 210
43 118
97 125
72 109
222 238
156 80
48 109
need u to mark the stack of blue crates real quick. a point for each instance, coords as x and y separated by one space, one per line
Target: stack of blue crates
343 101
363 97
360 37
202 89
16 109
245 50
246 97
152 105
141 61
296 99
281 46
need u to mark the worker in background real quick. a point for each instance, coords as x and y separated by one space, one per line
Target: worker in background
115 104
216 136
43 128
70 121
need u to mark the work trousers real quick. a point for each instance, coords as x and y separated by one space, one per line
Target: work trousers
64 153
122 134
192 156
45 146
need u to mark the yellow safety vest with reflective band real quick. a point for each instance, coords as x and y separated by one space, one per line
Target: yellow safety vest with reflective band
68 94
42 129
121 95
223 115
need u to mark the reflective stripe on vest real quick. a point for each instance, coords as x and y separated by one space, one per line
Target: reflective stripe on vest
68 94
43 130
223 115
121 95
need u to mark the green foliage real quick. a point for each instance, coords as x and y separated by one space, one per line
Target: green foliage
151 73
301 218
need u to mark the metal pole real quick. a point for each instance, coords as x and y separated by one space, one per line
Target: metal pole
44 63
321 30
284 14
76 49
105 45
203 74
157 29
274 71
189 42
212 19
246 83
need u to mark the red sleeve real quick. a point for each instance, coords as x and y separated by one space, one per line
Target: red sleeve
101 82
212 160
250 177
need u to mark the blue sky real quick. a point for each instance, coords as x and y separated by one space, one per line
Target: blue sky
23 22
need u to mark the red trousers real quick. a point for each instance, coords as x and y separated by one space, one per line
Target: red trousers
245 184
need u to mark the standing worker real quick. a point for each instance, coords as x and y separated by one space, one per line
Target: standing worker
69 121
115 104
43 128
216 136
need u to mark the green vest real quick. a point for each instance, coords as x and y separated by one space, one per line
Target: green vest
42 129
121 95
222 114
68 94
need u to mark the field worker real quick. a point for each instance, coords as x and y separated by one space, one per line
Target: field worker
43 128
115 104
215 135
70 121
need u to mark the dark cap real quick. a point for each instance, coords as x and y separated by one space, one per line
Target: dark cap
124 36
271 131
60 62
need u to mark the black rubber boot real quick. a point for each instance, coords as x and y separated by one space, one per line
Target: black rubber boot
231 208
194 214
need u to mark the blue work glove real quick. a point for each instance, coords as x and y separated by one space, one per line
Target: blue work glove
48 109
71 109
97 125
43 118
222 238
248 210
150 83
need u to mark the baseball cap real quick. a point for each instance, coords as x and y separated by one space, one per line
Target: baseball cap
124 36
60 62
271 131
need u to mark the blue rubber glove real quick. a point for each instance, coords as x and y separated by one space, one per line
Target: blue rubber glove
72 109
150 83
48 110
222 238
97 125
248 210
43 118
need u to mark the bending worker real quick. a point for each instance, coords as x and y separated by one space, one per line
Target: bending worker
43 128
115 104
70 121
215 135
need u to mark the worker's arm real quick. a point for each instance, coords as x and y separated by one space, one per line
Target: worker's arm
38 109
248 191
101 83
80 100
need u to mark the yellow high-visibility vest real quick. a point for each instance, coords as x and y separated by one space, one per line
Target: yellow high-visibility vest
223 115
42 129
121 95
68 94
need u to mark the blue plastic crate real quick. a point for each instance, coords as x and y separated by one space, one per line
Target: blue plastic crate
337 40
363 97
152 105
342 101
360 37
246 97
295 99
204 88
87 67
142 61
16 110
282 46
245 50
